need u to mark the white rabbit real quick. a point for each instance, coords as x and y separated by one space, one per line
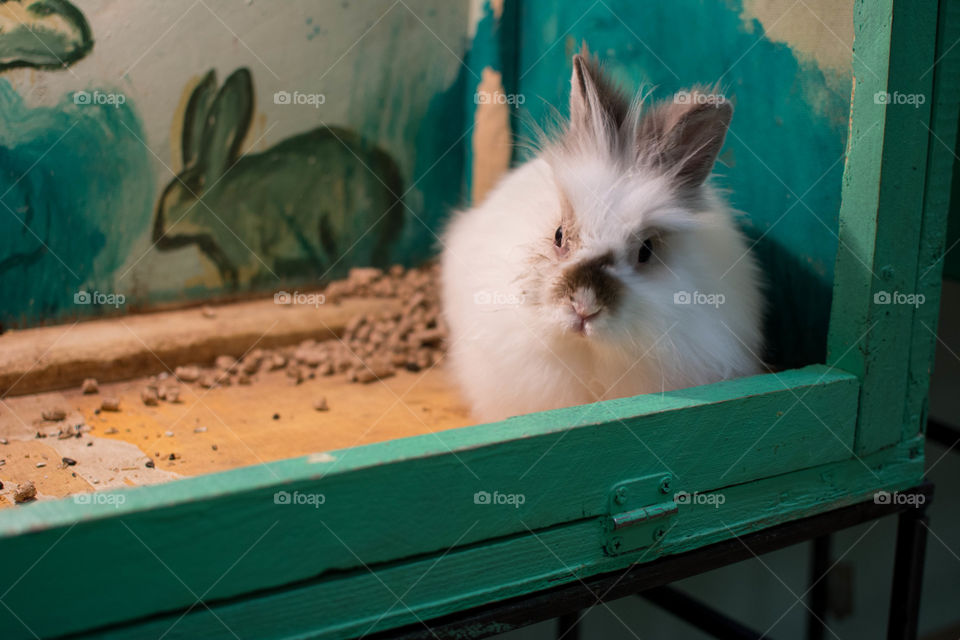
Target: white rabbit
606 266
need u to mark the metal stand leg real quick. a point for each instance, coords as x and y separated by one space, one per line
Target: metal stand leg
568 626
908 574
819 565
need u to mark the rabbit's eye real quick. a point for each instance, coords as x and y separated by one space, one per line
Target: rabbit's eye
646 251
558 237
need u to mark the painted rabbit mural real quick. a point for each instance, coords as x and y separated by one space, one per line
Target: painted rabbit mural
311 204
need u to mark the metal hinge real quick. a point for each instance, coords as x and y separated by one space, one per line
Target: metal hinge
640 512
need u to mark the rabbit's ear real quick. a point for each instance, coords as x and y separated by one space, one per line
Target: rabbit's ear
684 136
597 106
227 123
195 116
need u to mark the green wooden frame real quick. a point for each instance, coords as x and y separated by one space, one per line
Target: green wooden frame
400 535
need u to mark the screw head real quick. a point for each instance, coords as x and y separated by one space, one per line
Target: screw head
659 533
615 545
620 496
665 484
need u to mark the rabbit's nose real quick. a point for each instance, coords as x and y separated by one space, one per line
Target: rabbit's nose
585 304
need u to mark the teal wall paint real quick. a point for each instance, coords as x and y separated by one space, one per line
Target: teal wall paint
788 133
77 188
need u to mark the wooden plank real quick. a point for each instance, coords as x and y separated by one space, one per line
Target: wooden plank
936 207
881 209
401 498
111 349
388 596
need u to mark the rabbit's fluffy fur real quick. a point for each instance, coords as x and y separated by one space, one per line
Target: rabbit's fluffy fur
607 266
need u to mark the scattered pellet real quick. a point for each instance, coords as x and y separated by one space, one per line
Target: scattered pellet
69 462
110 403
4 441
171 394
149 396
89 385
111 431
168 434
54 414
226 363
172 456
321 404
214 447
374 371
276 416
25 492
200 430
187 374
149 464
208 311
41 465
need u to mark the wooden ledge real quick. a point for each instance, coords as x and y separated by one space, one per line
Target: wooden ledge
112 349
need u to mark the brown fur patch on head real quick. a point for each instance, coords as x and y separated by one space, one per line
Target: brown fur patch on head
592 274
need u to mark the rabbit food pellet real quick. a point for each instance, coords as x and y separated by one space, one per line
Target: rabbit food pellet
54 414
89 386
25 492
